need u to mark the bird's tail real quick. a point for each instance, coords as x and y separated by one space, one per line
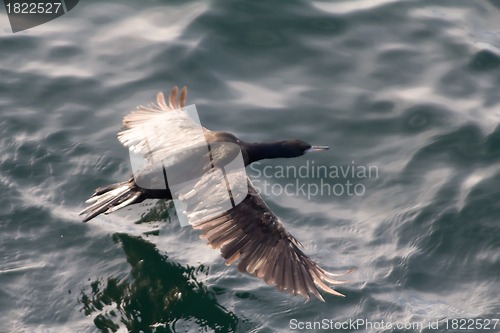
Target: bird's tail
110 198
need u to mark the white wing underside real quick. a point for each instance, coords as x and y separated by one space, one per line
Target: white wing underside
159 132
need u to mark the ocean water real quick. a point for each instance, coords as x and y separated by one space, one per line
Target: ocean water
405 92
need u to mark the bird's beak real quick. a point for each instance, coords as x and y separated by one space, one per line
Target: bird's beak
317 148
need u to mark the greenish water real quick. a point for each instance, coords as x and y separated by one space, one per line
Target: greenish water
407 87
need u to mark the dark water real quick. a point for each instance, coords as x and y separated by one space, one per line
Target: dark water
408 88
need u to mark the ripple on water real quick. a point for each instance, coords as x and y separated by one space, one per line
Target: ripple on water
398 66
484 61
421 117
17 46
457 83
64 52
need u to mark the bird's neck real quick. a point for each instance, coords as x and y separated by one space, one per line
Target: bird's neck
260 151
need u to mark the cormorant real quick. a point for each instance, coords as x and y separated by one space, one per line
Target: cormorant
249 232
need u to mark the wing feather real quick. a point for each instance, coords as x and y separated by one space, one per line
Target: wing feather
183 98
172 100
252 234
160 98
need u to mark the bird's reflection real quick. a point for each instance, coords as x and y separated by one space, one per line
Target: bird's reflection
160 296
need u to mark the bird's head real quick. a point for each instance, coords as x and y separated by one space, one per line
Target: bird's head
281 149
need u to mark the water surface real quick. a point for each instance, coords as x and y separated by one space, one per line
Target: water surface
408 87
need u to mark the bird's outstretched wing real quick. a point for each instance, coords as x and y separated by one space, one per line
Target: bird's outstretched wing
251 233
152 132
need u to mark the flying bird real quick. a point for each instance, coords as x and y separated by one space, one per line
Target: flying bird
248 230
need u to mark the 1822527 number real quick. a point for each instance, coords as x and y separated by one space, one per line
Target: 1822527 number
34 7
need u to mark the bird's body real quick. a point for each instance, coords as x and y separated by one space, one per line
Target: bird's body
248 231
